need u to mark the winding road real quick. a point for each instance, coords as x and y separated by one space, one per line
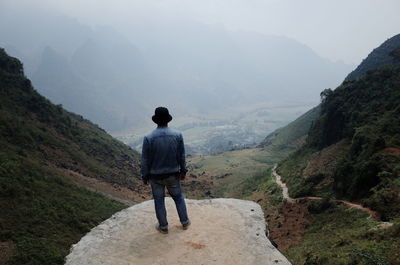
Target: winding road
285 193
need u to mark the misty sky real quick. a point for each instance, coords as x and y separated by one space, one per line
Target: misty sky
344 30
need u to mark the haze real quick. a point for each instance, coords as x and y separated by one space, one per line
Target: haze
230 71
339 30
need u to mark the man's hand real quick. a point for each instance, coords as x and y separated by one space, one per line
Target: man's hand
182 175
145 182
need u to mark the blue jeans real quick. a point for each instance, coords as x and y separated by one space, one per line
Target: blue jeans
173 185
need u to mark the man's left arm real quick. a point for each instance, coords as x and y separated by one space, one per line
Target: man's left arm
181 157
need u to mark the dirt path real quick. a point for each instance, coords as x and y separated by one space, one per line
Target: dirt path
285 190
285 193
223 232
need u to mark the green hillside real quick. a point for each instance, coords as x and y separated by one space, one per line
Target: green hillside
365 114
42 212
352 152
292 135
352 148
349 149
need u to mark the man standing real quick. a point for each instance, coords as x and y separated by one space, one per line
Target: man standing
164 166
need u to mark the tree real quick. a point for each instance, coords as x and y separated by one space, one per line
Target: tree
325 94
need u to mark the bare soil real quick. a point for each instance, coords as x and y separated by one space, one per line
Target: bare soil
286 223
7 249
120 193
392 150
291 226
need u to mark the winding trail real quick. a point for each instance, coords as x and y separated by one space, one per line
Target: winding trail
285 193
285 190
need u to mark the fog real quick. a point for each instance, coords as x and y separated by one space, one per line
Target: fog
230 71
339 30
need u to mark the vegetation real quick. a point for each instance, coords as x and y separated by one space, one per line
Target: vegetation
228 170
339 235
292 169
262 181
365 111
354 136
31 123
362 119
42 212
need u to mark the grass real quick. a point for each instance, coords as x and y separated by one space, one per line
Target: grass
291 170
290 135
240 165
43 213
340 235
264 182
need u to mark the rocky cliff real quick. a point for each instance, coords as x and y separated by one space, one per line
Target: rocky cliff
223 231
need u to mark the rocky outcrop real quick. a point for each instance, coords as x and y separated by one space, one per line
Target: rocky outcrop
223 231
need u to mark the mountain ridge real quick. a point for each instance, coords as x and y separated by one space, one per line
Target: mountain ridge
386 54
185 65
351 113
42 211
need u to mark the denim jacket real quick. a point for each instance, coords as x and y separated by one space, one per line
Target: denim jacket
163 152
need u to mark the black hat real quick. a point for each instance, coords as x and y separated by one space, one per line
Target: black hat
161 115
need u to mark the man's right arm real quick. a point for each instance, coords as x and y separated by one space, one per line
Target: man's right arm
145 163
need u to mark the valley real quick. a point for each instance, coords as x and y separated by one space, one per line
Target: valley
232 128
332 195
225 173
310 144
285 174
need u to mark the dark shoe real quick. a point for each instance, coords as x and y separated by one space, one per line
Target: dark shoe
186 226
162 230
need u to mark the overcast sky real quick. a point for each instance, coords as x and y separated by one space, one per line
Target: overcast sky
345 30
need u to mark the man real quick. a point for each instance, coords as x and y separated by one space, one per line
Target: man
163 165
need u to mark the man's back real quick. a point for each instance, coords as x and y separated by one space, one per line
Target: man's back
163 152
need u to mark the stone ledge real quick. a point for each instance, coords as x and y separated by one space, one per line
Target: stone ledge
223 231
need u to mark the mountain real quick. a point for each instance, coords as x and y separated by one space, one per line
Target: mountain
43 147
191 67
352 149
293 135
58 81
88 85
352 152
343 155
388 53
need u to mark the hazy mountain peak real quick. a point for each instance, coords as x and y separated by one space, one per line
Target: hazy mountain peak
386 54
